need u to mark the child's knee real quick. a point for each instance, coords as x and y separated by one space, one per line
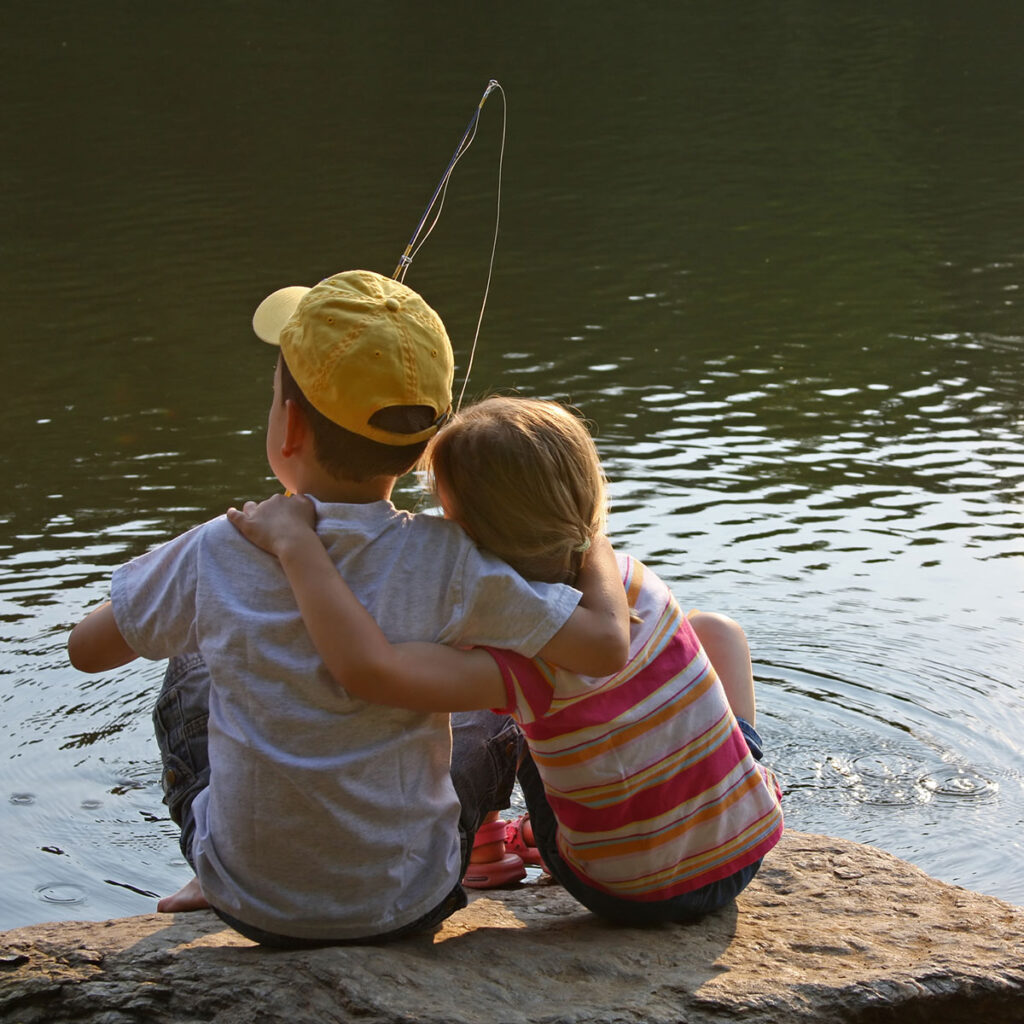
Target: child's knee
717 627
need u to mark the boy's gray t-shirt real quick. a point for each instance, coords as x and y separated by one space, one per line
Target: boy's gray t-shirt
326 816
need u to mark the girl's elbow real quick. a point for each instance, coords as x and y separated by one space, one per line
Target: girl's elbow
609 656
365 680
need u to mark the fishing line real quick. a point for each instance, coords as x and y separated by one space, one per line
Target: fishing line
437 199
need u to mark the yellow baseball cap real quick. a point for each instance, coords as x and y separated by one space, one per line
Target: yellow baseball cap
357 343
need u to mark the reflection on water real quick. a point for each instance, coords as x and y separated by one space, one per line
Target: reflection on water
779 271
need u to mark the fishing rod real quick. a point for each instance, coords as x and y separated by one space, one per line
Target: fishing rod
416 243
464 143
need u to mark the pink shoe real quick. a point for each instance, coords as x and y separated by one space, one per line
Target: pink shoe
515 842
491 874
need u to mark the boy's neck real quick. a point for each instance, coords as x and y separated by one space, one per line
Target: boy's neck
354 494
325 487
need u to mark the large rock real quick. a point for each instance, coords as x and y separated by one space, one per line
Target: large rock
829 931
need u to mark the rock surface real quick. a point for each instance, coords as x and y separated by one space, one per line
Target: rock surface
829 931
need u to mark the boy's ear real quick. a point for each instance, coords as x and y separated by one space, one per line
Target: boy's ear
296 430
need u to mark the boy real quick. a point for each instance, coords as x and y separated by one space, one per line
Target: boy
311 817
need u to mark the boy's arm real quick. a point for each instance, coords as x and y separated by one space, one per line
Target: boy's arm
96 644
418 676
595 639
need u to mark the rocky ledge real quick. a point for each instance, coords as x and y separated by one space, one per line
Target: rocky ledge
829 931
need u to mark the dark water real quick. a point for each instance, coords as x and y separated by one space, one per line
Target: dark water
775 255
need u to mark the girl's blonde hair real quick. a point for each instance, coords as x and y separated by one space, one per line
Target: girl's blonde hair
525 481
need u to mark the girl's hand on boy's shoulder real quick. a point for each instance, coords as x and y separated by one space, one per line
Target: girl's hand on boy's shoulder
276 523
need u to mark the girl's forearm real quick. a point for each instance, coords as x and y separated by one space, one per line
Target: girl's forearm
418 676
346 636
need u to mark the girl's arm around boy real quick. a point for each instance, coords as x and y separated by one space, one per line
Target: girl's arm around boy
424 676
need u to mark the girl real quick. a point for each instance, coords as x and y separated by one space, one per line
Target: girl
643 791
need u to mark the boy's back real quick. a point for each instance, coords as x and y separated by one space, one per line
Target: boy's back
325 817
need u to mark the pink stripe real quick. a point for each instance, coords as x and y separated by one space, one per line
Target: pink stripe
657 800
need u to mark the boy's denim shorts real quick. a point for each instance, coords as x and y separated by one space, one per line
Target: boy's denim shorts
688 906
180 720
485 753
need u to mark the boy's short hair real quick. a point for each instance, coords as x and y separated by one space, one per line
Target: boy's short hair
359 344
349 456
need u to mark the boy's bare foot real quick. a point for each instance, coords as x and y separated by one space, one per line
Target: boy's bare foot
188 897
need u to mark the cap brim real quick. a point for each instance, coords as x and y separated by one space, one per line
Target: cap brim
275 311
